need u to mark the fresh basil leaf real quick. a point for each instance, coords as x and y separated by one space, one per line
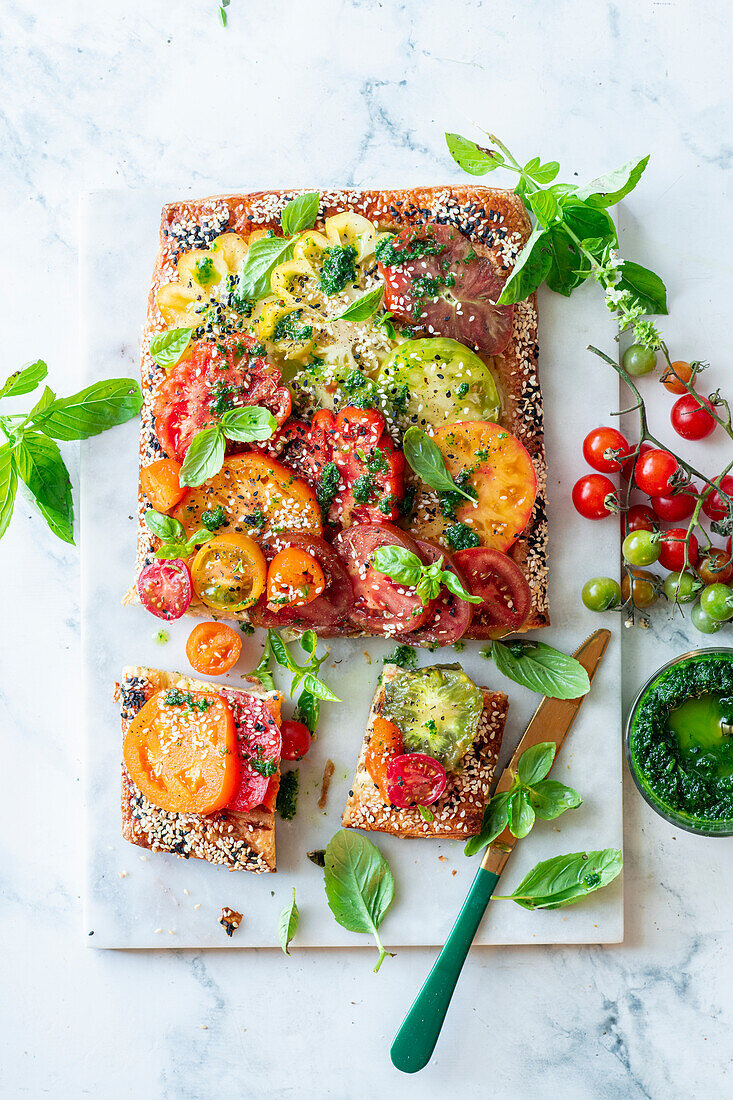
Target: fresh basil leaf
263 256
287 925
535 763
359 884
167 347
280 651
529 270
8 486
544 206
43 402
568 266
43 470
550 799
495 820
300 213
563 880
472 157
249 424
308 641
399 564
318 689
204 457
363 308
541 173
589 222
425 457
455 585
609 189
164 527
385 323
262 671
521 814
308 710
648 289
541 668
24 380
93 410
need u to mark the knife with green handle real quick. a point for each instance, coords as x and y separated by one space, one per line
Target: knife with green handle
416 1039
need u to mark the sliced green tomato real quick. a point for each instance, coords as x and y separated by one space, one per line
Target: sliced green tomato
436 381
437 711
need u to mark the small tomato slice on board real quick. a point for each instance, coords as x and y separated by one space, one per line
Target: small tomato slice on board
228 573
164 588
415 779
501 584
259 743
259 496
380 605
384 743
294 578
181 752
441 284
328 612
449 617
159 481
213 648
212 378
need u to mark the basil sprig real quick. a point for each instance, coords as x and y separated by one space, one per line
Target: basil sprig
287 925
363 308
531 795
172 534
31 454
265 253
406 568
305 678
426 458
564 880
205 455
540 668
359 885
167 347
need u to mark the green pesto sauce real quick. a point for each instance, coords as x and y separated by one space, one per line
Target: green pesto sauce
681 754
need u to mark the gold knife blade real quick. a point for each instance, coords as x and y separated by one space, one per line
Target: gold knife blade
550 722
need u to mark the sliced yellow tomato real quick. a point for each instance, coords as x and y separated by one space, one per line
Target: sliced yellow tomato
229 573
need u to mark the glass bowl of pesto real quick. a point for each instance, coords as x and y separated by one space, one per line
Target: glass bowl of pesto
679 741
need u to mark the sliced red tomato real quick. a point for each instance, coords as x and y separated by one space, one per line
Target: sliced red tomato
415 779
181 751
501 584
215 377
441 285
164 588
327 613
381 605
385 742
449 617
260 743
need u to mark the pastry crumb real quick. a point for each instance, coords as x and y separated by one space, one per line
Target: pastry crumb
230 920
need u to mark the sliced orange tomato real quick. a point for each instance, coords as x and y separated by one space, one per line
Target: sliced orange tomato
385 742
213 648
500 470
259 496
229 573
294 578
159 482
181 751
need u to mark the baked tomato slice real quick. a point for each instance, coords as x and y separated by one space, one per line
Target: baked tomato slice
449 617
442 284
328 612
381 605
164 588
385 742
159 481
260 497
259 744
181 751
229 573
498 468
213 648
502 586
415 779
213 378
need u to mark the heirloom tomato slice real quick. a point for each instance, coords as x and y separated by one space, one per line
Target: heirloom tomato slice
381 605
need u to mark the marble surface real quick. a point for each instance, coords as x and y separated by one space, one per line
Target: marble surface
144 95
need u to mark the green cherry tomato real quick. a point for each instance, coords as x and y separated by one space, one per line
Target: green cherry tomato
641 547
717 602
639 360
601 593
681 586
704 622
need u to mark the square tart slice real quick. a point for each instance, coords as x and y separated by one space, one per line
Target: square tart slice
458 812
240 841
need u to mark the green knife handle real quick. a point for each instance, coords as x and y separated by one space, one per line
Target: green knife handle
416 1039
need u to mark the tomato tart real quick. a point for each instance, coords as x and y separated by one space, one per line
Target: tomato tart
330 373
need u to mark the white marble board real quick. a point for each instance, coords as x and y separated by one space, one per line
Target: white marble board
135 899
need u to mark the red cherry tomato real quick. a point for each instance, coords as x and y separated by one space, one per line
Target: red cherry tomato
626 468
716 567
674 376
654 470
164 588
591 496
691 417
714 505
672 549
600 440
296 739
675 507
415 779
641 518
